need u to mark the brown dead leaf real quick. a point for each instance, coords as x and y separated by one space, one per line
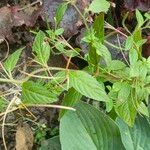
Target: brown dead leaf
24 137
11 16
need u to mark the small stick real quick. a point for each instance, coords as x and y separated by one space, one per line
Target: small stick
30 5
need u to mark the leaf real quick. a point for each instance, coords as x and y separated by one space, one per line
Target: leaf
124 92
129 43
116 65
3 104
12 60
139 18
51 144
143 109
70 99
103 51
59 31
88 129
87 85
41 48
126 111
137 137
98 6
34 93
147 15
133 56
60 11
98 27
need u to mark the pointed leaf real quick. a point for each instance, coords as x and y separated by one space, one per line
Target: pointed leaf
137 137
41 48
87 85
12 60
88 129
34 93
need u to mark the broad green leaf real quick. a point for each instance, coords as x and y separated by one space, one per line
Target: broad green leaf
139 18
137 137
102 50
126 111
60 11
34 93
87 85
116 65
138 69
98 6
41 47
12 60
51 144
88 129
70 99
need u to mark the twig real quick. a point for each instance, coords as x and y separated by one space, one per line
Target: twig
51 106
30 5
4 119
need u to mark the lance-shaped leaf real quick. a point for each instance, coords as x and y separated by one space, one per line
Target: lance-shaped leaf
12 60
41 47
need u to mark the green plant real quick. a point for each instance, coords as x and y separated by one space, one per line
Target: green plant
88 127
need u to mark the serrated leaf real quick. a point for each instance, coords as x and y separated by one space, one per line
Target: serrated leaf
35 93
87 85
137 137
116 65
12 60
88 129
102 50
41 48
126 111
124 92
98 6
